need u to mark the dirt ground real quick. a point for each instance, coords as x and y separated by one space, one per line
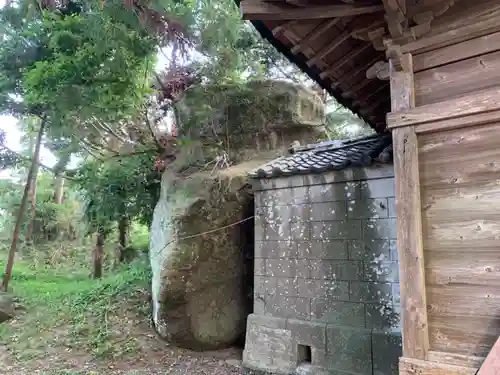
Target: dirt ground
153 357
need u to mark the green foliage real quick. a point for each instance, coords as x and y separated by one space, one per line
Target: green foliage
50 218
90 66
119 187
342 123
66 308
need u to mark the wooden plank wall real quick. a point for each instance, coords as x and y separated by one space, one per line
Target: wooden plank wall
460 194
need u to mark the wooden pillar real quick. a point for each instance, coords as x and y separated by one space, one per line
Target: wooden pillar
415 329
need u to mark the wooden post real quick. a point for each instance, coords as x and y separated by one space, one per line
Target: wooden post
409 217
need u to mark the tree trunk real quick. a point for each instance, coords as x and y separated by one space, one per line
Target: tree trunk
32 200
15 235
58 189
98 254
123 226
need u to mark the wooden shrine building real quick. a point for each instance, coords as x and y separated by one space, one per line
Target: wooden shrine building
429 72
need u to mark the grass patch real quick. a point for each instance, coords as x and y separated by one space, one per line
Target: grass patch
65 310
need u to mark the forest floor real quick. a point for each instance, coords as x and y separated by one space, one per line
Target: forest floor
69 324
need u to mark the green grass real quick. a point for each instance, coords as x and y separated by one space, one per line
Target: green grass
66 310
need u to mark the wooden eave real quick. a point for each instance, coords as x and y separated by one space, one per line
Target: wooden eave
342 44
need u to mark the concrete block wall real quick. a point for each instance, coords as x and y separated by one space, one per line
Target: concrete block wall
326 274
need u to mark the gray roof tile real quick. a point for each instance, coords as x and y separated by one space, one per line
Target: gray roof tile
327 156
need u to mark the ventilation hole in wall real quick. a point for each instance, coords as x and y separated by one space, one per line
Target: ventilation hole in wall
304 354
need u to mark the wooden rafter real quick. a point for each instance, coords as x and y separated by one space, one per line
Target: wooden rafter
350 76
344 60
284 26
321 29
345 35
262 11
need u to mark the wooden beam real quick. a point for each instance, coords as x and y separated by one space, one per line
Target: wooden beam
395 15
325 26
341 38
456 52
409 224
411 366
347 58
468 23
262 11
347 78
479 102
284 26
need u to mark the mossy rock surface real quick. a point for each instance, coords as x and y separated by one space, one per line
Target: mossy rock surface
198 292
6 307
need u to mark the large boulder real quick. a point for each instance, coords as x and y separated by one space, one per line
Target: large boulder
196 253
199 285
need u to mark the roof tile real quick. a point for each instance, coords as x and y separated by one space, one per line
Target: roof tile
329 155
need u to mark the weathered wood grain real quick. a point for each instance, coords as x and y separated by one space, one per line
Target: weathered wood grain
409 228
457 359
459 78
411 366
457 108
456 52
446 335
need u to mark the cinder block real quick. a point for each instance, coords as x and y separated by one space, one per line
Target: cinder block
396 294
370 292
378 188
286 286
392 207
260 284
368 208
363 250
387 348
349 349
276 249
259 303
300 231
276 231
259 267
324 211
259 229
347 229
287 267
374 172
338 312
331 290
301 212
330 249
340 191
341 270
297 180
379 229
266 321
281 182
289 307
323 289
378 270
394 250
381 316
299 195
268 349
308 333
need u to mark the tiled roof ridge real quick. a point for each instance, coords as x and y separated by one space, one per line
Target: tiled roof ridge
329 155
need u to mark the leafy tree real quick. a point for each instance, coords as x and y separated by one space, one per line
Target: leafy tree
73 66
116 193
